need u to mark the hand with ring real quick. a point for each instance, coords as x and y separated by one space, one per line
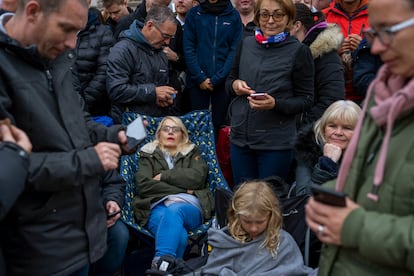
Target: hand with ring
327 221
320 229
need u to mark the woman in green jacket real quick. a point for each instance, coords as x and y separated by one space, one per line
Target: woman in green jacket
173 194
374 233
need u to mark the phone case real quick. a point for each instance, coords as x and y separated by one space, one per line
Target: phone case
327 196
136 132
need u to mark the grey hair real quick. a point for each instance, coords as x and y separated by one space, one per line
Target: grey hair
345 111
160 14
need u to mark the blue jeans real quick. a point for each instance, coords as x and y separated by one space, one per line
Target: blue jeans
118 237
170 225
248 164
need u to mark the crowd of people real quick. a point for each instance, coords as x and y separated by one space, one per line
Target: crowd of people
314 92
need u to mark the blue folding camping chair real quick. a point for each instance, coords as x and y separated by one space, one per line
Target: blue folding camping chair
200 129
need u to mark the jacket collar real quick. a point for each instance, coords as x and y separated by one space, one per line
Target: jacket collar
151 147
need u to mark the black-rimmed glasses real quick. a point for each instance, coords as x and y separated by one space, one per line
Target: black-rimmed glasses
164 35
277 16
386 35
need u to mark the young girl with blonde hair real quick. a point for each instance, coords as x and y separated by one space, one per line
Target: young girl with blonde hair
254 243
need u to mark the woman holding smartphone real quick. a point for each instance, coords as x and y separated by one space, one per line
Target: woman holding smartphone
278 65
373 234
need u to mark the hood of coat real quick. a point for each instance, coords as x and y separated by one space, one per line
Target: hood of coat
135 34
152 146
327 41
306 147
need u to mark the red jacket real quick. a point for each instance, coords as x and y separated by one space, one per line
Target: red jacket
350 24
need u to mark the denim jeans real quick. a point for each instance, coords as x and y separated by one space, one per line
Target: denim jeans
118 237
248 164
170 225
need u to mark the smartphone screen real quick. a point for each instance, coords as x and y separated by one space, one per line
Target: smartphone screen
258 96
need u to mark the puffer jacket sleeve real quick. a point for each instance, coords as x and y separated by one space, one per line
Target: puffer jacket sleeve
121 66
96 88
303 84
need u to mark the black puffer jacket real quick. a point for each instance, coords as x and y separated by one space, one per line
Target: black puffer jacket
93 46
329 73
135 69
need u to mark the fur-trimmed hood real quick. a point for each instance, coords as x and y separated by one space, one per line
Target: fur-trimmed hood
328 40
152 146
306 147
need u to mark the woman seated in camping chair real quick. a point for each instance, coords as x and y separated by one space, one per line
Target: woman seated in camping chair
173 194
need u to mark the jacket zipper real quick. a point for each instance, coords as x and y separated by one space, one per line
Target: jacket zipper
49 80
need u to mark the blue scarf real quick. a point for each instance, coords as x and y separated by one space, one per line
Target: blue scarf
261 39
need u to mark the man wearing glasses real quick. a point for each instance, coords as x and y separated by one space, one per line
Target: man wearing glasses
138 69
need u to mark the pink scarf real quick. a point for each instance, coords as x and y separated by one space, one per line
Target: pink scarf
394 95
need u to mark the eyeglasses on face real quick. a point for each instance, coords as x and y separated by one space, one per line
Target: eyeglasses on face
164 35
167 128
277 16
386 35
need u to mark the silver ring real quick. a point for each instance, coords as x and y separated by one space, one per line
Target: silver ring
321 228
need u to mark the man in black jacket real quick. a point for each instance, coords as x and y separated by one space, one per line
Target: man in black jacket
174 51
137 74
58 224
14 164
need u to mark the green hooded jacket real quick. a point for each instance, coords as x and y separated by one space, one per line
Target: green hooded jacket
378 237
189 173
